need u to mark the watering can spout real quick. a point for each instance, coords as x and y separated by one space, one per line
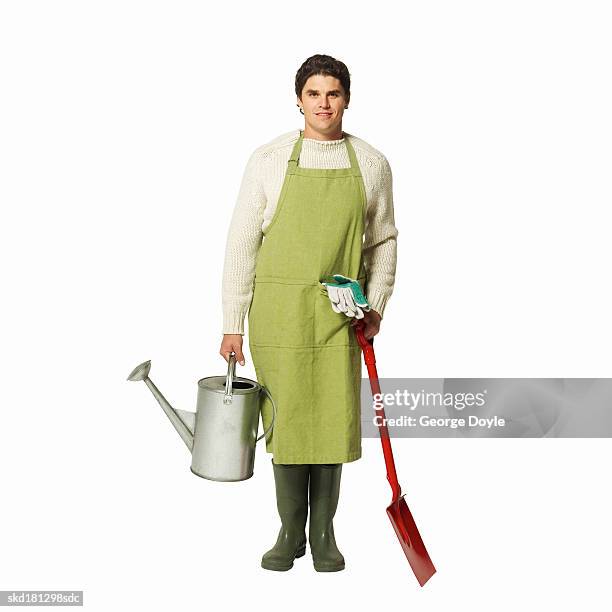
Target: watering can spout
183 421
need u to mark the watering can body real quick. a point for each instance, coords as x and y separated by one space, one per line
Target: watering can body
222 433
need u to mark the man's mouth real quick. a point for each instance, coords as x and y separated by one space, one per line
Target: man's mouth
323 114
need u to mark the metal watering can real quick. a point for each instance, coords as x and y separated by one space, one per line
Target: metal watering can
222 433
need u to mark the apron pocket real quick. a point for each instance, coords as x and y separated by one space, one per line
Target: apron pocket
282 314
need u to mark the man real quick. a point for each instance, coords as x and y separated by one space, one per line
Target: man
307 201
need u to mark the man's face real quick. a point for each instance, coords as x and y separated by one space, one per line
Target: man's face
323 100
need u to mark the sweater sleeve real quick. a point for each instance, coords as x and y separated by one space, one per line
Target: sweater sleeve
244 238
380 242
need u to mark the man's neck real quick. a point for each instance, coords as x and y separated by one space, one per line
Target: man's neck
310 133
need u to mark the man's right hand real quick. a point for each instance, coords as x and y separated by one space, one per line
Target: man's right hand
232 343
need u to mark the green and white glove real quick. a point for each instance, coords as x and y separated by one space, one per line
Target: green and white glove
346 296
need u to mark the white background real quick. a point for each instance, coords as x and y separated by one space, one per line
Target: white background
125 129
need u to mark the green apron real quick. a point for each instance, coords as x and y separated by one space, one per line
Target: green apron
306 354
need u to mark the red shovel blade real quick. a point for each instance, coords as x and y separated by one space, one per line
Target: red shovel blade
410 539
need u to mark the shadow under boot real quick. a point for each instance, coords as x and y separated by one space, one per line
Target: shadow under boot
291 483
324 493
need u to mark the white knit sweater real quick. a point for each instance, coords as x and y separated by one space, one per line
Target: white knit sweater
257 199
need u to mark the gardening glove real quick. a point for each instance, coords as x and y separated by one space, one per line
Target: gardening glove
358 297
346 296
341 299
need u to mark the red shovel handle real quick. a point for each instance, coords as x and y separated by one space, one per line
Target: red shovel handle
370 361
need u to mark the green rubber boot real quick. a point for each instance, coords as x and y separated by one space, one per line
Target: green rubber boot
324 493
292 503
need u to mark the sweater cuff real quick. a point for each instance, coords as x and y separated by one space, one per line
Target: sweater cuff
233 320
378 301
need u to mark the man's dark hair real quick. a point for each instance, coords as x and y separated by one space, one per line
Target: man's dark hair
325 65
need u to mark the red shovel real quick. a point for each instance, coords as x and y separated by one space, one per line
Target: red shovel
398 511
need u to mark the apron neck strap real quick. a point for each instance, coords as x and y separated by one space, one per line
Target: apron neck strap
297 148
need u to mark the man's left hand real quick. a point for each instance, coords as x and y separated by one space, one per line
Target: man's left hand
371 320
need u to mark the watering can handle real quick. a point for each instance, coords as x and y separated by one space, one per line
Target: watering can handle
229 379
265 433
